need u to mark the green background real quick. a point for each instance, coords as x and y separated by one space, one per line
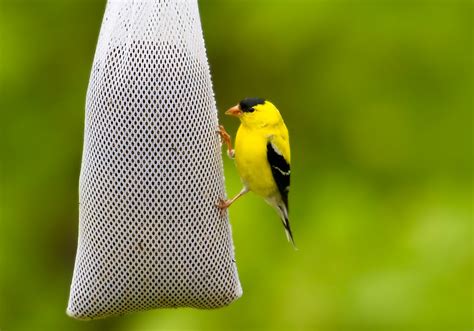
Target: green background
378 98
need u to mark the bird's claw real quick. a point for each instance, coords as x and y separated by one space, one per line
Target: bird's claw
223 134
225 138
222 204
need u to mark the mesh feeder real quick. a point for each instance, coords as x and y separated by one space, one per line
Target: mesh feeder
150 235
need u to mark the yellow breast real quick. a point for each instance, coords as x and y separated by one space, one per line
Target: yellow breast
251 161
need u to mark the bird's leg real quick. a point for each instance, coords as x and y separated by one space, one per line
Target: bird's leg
225 137
224 204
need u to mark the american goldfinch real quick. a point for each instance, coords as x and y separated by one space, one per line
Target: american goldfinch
262 155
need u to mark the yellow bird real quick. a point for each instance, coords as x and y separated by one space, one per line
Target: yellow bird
262 155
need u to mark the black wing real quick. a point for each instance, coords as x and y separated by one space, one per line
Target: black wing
280 170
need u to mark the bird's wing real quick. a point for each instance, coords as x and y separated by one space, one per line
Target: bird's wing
280 169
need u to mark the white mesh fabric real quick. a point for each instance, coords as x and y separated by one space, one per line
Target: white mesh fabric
150 234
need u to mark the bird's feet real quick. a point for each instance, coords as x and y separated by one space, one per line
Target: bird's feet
223 204
225 138
224 135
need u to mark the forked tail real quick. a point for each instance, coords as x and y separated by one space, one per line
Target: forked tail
286 224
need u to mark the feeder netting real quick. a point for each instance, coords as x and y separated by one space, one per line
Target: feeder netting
150 234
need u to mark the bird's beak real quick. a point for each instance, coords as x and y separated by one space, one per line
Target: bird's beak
234 111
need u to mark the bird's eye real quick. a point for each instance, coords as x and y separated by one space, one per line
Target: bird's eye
250 110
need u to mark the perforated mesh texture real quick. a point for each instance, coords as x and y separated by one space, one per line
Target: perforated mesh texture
150 234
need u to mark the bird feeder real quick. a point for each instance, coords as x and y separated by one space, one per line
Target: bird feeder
150 234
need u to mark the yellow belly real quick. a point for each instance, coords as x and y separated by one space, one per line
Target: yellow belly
252 164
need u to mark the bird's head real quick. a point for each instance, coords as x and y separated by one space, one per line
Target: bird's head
256 112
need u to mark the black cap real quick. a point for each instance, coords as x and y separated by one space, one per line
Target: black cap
247 104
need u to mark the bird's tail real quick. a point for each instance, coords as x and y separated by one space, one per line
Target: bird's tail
283 210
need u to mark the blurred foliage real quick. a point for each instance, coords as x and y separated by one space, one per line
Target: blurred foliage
378 99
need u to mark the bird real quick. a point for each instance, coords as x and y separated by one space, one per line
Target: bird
262 155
